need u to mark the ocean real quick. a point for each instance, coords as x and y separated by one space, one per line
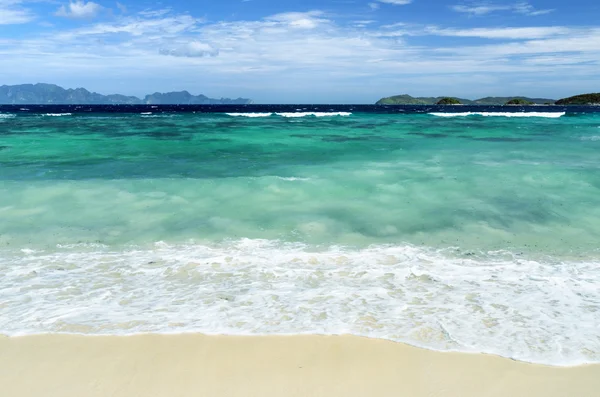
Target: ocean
472 229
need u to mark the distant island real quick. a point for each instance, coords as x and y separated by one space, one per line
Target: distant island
585 99
51 94
489 101
519 102
449 101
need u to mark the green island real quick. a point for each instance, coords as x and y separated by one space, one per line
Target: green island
449 101
584 99
519 102
444 100
405 99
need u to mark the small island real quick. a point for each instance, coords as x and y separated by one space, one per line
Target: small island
449 101
581 100
519 102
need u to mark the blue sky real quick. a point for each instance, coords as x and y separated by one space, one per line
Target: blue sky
305 51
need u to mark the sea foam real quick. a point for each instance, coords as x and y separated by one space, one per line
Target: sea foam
58 114
591 138
552 115
249 114
291 114
315 114
495 302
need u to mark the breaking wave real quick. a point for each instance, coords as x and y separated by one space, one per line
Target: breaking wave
552 115
535 310
291 114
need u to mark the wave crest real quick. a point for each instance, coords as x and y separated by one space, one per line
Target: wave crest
291 114
552 115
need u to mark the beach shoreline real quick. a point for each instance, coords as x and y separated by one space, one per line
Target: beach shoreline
303 365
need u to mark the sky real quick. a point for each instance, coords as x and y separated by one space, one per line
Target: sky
305 51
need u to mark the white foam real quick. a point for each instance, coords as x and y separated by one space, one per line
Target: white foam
540 311
249 114
551 115
591 138
146 113
291 114
150 115
57 114
315 114
6 116
293 179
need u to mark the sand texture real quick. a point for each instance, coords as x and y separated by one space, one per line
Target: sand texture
227 366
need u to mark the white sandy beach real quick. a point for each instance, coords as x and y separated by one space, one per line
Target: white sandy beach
328 366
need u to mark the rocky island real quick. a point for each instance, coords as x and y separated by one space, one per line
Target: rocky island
51 94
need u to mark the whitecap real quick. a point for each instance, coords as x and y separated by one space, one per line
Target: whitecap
249 114
315 114
502 114
6 116
57 114
293 179
291 114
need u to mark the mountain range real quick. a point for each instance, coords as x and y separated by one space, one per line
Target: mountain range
51 94
409 100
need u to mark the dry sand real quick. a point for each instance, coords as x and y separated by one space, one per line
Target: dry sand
328 366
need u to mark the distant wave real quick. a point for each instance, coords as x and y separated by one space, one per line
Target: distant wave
291 114
293 179
249 114
316 114
591 138
57 114
553 115
150 115
6 116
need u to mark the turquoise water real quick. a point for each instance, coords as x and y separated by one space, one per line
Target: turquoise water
469 233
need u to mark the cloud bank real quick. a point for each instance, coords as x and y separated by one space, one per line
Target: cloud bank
302 56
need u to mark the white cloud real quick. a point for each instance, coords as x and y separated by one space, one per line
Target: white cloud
122 7
300 54
152 28
374 6
155 13
478 9
396 2
501 33
301 20
192 49
12 13
79 10
528 9
14 16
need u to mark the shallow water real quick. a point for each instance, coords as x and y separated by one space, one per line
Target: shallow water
468 233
